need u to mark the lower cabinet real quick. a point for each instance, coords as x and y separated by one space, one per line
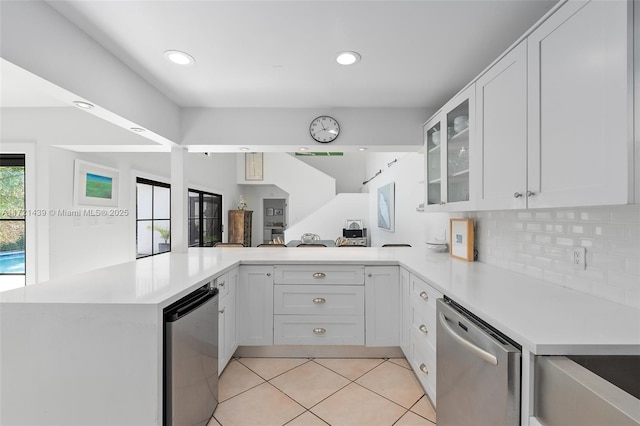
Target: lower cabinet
227 321
422 326
382 305
255 295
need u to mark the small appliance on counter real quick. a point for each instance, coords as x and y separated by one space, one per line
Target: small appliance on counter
354 233
438 246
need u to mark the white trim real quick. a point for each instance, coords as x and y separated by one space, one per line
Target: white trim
32 221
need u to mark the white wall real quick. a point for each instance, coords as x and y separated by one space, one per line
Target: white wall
289 127
348 169
329 220
411 227
308 188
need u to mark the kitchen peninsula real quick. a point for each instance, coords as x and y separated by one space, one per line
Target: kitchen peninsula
100 333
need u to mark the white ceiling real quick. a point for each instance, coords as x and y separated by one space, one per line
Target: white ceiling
281 53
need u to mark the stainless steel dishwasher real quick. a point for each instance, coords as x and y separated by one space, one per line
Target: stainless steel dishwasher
478 371
191 358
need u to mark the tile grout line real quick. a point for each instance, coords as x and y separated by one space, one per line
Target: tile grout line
284 372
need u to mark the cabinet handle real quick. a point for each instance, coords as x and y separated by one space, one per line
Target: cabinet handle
268 274
319 275
370 275
319 300
221 311
319 330
424 295
517 194
530 193
424 369
424 329
221 284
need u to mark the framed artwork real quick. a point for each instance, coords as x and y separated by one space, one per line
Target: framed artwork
354 224
461 231
253 166
386 206
269 211
95 185
277 212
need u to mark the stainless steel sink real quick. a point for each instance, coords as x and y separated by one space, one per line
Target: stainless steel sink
587 390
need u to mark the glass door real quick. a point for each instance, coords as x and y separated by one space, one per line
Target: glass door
458 153
433 181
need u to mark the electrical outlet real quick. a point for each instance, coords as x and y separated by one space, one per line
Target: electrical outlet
579 259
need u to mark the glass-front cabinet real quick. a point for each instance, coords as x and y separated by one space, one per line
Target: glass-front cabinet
448 141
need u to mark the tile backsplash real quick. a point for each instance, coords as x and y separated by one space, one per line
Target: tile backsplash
540 243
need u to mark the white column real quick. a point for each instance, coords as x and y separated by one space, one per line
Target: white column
179 229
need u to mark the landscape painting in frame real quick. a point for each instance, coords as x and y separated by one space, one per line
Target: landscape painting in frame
95 185
386 206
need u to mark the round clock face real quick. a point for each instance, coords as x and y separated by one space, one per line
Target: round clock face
324 129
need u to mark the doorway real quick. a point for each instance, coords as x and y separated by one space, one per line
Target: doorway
274 218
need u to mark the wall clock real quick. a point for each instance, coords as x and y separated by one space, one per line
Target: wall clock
324 129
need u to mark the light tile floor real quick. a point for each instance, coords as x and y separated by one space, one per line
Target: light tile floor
310 392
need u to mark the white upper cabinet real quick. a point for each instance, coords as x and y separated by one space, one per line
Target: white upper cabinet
448 139
580 121
501 93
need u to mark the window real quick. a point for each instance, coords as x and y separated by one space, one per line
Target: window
12 218
153 217
205 218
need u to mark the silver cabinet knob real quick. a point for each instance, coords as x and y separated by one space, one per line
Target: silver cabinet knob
319 275
424 295
319 300
319 330
370 275
221 284
221 311
517 194
424 329
268 274
424 369
530 193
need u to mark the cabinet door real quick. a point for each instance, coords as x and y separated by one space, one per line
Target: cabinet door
382 306
231 333
222 363
433 165
579 117
405 313
460 133
501 95
255 305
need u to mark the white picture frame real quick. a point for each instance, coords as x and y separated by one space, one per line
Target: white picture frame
95 185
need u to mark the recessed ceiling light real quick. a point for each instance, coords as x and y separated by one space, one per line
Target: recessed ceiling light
178 57
362 149
304 148
137 129
244 149
83 105
348 58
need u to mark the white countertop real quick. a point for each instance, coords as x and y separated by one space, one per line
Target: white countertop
544 318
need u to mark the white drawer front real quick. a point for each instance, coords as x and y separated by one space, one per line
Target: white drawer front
318 330
318 300
424 291
423 319
222 283
424 363
319 274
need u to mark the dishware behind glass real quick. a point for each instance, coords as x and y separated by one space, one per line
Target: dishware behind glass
460 123
435 137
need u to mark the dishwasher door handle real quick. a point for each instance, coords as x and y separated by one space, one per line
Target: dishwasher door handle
479 352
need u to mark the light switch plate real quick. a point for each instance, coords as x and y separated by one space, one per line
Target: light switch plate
579 258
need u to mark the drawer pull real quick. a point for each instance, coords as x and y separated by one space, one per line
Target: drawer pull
424 295
424 369
221 284
319 300
423 328
319 275
319 330
221 311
